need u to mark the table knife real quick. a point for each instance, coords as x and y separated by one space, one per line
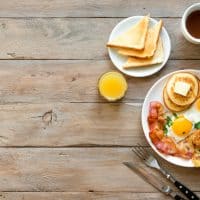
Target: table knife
153 180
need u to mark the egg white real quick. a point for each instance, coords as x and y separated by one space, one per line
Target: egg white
192 114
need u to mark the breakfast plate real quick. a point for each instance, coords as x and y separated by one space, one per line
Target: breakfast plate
156 94
119 60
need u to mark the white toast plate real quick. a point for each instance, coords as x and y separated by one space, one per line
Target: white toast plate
118 60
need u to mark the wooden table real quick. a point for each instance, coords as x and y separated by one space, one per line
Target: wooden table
58 138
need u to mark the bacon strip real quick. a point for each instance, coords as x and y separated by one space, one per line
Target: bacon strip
156 123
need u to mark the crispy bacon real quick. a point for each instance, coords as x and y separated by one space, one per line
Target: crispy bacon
156 123
167 145
155 110
155 118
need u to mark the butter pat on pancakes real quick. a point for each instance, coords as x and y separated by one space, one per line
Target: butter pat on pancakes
182 88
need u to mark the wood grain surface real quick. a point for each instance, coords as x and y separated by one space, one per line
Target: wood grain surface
82 195
69 38
70 124
59 139
78 170
92 8
48 81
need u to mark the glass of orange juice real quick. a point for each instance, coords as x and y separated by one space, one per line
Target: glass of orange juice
112 86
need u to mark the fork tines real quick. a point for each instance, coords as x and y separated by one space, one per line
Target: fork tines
141 152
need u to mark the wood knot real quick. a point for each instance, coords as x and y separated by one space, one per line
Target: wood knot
48 117
13 55
3 25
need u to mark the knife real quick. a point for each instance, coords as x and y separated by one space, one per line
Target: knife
153 180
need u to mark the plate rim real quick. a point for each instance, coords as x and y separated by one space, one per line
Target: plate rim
165 58
143 116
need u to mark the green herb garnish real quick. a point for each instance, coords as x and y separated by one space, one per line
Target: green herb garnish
165 130
175 115
197 125
169 121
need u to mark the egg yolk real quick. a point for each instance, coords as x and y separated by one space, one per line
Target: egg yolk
181 126
197 104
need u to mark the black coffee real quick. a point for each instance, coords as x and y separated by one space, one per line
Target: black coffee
193 24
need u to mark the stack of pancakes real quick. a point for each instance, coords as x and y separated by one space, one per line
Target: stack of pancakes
176 102
141 44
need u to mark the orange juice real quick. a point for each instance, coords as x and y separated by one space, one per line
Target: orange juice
112 86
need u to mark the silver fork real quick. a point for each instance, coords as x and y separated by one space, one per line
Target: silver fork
152 162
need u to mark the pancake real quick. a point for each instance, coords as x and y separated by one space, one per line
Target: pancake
170 105
150 44
133 38
158 57
186 78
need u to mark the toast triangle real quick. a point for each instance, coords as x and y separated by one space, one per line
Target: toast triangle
158 57
150 44
133 38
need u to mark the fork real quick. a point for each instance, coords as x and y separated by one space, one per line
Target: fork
152 162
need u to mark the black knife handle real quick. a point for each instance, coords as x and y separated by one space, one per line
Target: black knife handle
177 197
187 192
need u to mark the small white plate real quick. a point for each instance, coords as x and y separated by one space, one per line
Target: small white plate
155 94
118 60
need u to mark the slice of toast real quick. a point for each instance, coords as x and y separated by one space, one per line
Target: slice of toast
133 38
150 44
192 93
158 57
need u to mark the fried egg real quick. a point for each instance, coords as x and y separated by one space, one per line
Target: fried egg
193 113
180 125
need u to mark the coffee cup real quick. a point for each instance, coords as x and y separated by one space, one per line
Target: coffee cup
190 23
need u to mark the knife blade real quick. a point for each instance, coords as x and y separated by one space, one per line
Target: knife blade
153 180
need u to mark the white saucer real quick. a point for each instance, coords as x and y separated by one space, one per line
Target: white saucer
118 60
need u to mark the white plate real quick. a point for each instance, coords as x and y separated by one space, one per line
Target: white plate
155 94
118 60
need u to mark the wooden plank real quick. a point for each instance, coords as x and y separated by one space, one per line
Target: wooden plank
69 81
91 8
81 195
70 124
78 170
68 38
